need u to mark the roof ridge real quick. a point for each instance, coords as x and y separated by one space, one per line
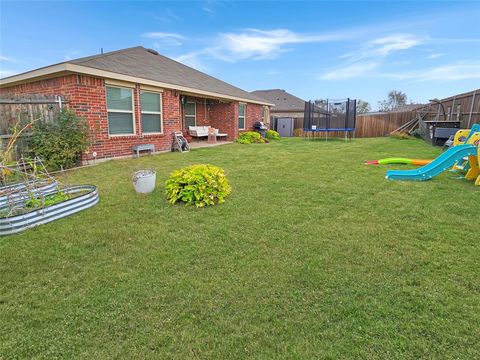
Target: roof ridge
90 57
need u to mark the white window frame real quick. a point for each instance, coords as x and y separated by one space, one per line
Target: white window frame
244 116
121 111
195 107
152 112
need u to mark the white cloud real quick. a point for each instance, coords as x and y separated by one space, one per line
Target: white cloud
71 55
272 72
384 46
371 55
208 10
350 71
165 38
162 35
267 44
192 59
443 73
401 62
6 73
435 55
255 44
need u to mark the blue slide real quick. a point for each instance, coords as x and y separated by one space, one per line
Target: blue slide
437 166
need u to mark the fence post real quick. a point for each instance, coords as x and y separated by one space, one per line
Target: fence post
471 109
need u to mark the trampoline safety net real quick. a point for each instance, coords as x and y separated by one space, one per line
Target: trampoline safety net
332 115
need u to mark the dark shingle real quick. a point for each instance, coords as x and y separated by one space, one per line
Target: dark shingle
142 63
283 100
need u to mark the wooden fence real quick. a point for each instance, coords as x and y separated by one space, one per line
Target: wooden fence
20 111
380 124
27 108
462 107
374 125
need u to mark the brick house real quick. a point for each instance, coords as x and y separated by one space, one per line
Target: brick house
136 96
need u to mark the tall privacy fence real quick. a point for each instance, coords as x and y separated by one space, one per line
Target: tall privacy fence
15 110
368 125
464 108
380 124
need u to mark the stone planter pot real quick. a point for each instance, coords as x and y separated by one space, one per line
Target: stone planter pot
144 181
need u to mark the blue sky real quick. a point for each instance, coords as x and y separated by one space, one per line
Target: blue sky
311 49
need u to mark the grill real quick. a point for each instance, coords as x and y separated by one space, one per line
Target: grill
260 127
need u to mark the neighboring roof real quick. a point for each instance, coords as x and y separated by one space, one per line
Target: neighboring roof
144 66
283 100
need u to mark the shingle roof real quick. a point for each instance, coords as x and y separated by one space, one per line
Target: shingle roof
283 100
143 63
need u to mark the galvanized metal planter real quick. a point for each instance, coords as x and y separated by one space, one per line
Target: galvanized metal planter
16 223
23 191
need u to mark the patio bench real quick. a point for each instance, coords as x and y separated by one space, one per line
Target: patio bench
143 147
203 131
198 131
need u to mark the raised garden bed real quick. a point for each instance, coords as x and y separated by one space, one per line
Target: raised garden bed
81 197
19 191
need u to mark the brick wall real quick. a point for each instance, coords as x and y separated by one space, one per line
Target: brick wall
86 95
254 114
223 117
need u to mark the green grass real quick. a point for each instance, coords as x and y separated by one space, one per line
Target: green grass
313 255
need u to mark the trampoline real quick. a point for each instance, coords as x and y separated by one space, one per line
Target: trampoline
333 116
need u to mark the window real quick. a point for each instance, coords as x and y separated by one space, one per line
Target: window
241 116
120 111
190 114
151 106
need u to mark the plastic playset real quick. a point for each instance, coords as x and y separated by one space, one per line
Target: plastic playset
462 157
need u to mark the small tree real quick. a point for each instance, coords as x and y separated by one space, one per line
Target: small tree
363 107
394 101
61 142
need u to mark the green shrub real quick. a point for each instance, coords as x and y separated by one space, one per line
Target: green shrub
272 135
298 132
249 137
198 185
60 142
400 136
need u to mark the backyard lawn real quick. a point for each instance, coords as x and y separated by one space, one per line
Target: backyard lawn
313 255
